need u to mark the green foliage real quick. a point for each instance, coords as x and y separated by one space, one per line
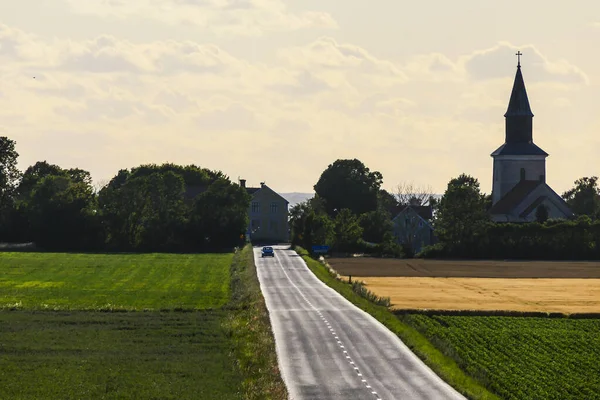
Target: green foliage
125 355
376 225
584 198
553 240
58 281
347 231
461 212
441 364
521 358
9 176
349 184
173 208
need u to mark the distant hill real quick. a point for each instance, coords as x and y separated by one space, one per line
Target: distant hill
295 198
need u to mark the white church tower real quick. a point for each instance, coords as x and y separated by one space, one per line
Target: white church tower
519 178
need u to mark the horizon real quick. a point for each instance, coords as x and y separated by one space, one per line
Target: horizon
292 86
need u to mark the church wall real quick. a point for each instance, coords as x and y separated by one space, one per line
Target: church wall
507 173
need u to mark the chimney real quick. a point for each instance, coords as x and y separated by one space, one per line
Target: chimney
243 183
262 184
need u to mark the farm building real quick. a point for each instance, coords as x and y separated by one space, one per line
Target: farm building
268 214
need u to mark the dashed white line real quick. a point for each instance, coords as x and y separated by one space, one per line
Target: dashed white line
356 369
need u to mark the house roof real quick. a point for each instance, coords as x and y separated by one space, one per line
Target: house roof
518 105
514 197
424 212
519 149
532 206
252 191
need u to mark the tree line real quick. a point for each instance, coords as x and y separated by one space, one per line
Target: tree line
148 208
352 214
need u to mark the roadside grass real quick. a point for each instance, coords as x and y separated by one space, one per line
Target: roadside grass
250 326
441 364
123 355
135 326
69 281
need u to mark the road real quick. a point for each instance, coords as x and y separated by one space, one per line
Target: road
329 349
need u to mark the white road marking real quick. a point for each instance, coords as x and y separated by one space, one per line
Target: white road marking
328 325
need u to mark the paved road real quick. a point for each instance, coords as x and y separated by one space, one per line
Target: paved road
329 349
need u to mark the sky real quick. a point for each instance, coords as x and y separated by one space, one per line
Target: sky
274 91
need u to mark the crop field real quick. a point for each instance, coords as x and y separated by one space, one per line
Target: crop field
65 281
118 355
368 266
143 326
521 358
545 295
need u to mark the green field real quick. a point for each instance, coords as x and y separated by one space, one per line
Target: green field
521 357
134 326
64 281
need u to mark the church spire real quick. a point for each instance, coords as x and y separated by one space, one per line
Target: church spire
519 103
519 118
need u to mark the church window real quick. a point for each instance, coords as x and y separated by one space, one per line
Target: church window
522 174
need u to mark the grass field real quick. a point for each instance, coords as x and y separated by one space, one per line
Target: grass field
522 358
64 281
145 326
546 295
124 355
368 266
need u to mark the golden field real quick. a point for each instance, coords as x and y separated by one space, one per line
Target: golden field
548 286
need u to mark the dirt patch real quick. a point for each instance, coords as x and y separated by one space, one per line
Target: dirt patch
547 295
373 267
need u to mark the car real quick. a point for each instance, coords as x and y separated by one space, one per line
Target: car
267 251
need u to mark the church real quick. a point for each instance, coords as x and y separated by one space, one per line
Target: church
519 185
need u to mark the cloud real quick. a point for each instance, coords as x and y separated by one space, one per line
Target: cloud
492 63
231 17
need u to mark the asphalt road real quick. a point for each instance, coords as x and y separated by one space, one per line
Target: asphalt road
329 349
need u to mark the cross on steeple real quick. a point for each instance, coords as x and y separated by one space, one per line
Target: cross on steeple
519 54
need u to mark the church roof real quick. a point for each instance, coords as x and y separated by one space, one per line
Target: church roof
518 106
514 197
519 149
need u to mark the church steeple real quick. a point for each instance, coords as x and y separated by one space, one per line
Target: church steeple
519 118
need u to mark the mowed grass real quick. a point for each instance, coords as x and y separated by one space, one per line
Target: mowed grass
65 281
118 355
135 326
521 357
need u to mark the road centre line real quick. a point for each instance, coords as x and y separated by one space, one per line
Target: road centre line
348 358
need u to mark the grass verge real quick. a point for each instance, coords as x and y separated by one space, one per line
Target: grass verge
250 327
442 365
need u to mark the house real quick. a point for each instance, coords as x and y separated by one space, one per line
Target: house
268 215
412 227
519 186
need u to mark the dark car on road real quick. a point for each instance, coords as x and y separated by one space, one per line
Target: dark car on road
267 251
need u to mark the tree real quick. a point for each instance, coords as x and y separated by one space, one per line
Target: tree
375 225
9 176
387 202
584 198
461 215
347 231
220 215
62 214
349 184
35 174
411 194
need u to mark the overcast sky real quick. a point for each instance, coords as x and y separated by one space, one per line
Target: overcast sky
273 90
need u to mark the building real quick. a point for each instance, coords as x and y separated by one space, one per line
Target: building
268 215
412 227
519 185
